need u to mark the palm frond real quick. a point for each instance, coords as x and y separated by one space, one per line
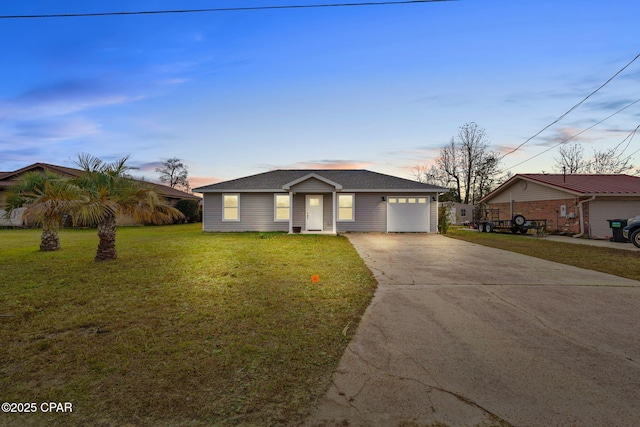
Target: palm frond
89 163
45 196
119 167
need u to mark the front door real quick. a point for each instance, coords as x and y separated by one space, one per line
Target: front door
314 212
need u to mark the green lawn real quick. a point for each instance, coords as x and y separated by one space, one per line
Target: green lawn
184 328
619 262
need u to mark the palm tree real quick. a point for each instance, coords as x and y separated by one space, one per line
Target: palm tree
111 191
47 198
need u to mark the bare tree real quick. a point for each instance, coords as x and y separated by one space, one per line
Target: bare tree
429 175
608 161
478 165
449 163
486 176
465 164
174 173
420 173
604 161
432 175
571 159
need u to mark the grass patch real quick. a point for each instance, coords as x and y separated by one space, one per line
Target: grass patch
618 262
184 328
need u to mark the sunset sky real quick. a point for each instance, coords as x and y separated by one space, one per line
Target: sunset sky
233 93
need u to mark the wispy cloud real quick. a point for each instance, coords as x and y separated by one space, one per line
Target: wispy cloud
322 164
56 129
568 134
417 153
613 105
172 81
199 181
148 166
504 149
62 98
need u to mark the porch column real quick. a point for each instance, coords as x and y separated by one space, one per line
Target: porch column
437 213
290 212
335 212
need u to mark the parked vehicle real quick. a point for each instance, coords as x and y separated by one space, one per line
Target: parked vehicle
632 231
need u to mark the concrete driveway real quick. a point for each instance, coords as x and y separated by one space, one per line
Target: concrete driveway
465 335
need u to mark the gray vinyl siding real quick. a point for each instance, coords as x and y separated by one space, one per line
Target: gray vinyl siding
602 210
327 214
299 210
533 192
256 214
312 185
371 214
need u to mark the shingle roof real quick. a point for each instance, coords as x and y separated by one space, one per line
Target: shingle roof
350 179
580 184
166 191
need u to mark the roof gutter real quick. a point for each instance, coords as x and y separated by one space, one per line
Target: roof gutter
582 215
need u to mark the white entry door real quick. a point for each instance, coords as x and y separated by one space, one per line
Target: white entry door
314 212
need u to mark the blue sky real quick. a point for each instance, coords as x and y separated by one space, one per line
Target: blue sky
381 88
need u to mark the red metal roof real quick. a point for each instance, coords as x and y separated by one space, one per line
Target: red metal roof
589 184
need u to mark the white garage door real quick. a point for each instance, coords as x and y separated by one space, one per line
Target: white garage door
407 214
602 210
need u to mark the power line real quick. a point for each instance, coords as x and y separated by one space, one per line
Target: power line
626 159
572 108
221 9
574 136
631 139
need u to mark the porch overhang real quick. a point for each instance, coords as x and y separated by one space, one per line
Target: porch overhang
288 185
334 214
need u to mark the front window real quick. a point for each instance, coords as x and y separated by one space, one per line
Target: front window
231 207
346 210
282 207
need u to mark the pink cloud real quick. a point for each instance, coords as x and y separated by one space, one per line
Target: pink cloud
327 164
199 181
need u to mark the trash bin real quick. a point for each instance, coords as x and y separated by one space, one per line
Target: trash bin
616 226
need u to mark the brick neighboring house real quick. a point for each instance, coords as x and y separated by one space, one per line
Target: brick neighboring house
577 204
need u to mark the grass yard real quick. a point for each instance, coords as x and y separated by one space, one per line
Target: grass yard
184 329
607 260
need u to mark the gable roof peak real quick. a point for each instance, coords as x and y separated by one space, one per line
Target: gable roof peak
312 175
346 179
578 184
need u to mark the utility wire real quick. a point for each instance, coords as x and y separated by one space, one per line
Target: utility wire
221 9
572 108
626 159
576 135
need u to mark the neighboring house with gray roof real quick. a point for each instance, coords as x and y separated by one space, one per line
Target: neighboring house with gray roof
7 179
320 201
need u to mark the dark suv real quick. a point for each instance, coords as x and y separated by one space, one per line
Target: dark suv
632 231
